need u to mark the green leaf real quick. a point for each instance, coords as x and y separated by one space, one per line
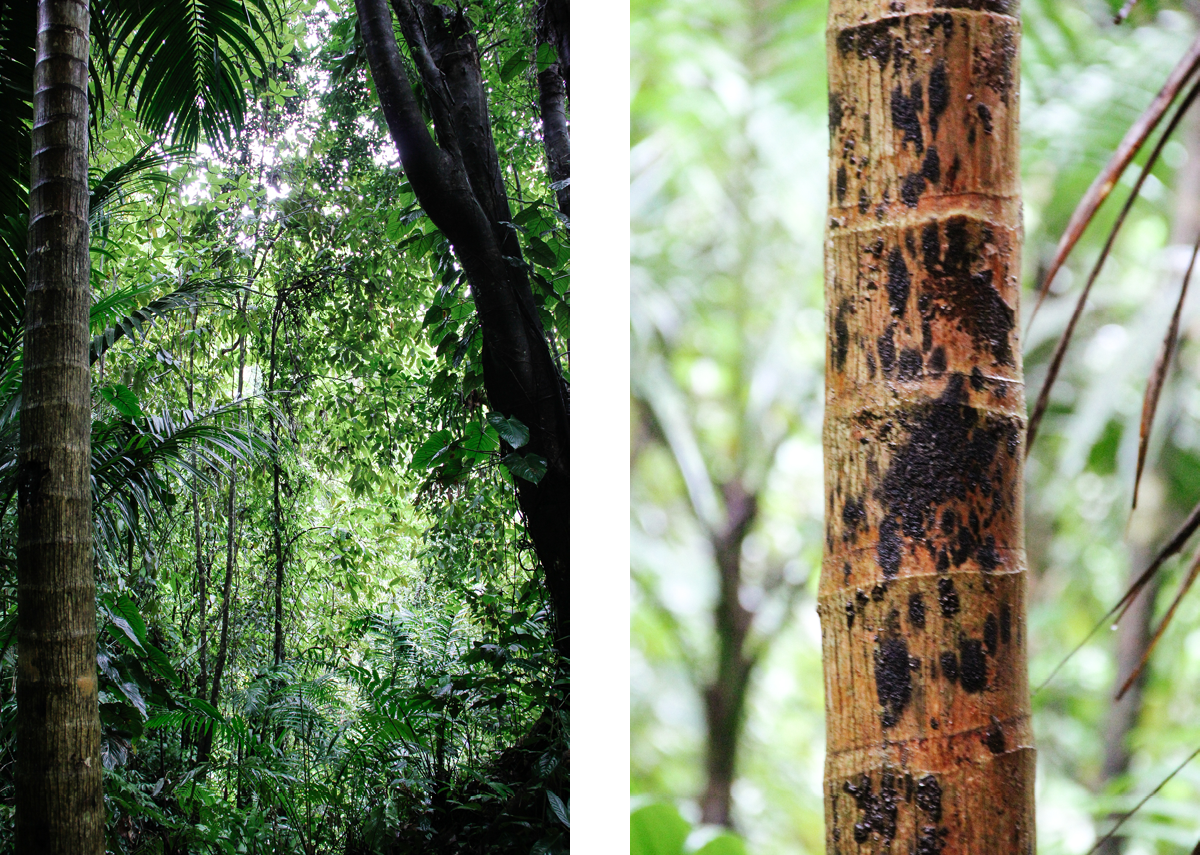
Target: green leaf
560 810
429 449
546 57
531 467
513 66
123 401
540 252
657 830
511 430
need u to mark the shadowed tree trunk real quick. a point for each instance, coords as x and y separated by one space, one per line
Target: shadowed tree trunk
725 696
459 184
922 596
59 797
554 87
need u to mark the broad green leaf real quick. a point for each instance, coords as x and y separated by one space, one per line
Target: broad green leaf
546 57
429 449
657 830
123 401
531 467
511 430
513 65
560 810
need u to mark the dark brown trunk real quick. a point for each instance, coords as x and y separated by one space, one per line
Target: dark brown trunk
59 796
725 696
458 182
554 84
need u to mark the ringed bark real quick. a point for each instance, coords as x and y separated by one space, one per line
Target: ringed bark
922 597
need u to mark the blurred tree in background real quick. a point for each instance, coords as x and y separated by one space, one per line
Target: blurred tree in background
727 193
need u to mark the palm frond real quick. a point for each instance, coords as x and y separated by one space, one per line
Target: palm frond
119 315
188 63
111 190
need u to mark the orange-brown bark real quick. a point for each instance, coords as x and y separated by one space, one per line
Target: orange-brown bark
922 595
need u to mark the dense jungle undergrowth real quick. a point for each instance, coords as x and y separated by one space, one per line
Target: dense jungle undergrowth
323 623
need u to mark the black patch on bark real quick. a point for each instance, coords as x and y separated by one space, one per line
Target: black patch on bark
854 513
878 593
932 840
849 614
898 281
872 40
929 797
916 611
911 189
870 365
994 737
985 116
906 114
972 665
841 335
939 94
841 184
949 665
937 360
967 295
952 174
886 345
893 685
877 813
911 364
1005 623
1001 7
835 111
991 631
978 381
931 167
949 456
947 597
887 552
988 558
864 201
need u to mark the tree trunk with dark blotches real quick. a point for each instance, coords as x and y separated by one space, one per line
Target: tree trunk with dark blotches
59 795
922 596
554 88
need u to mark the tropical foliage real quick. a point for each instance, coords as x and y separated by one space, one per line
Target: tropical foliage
322 624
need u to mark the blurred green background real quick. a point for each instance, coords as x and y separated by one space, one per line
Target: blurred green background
728 177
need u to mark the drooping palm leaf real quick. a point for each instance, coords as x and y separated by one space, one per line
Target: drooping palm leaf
1159 374
187 64
18 26
1104 183
1060 350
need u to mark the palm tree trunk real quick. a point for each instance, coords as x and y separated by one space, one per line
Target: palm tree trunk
922 595
59 797
277 521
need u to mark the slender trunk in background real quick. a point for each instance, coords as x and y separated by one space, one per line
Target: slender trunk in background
922 597
201 564
277 521
206 740
725 696
59 796
554 88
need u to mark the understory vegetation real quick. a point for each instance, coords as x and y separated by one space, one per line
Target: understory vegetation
323 625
